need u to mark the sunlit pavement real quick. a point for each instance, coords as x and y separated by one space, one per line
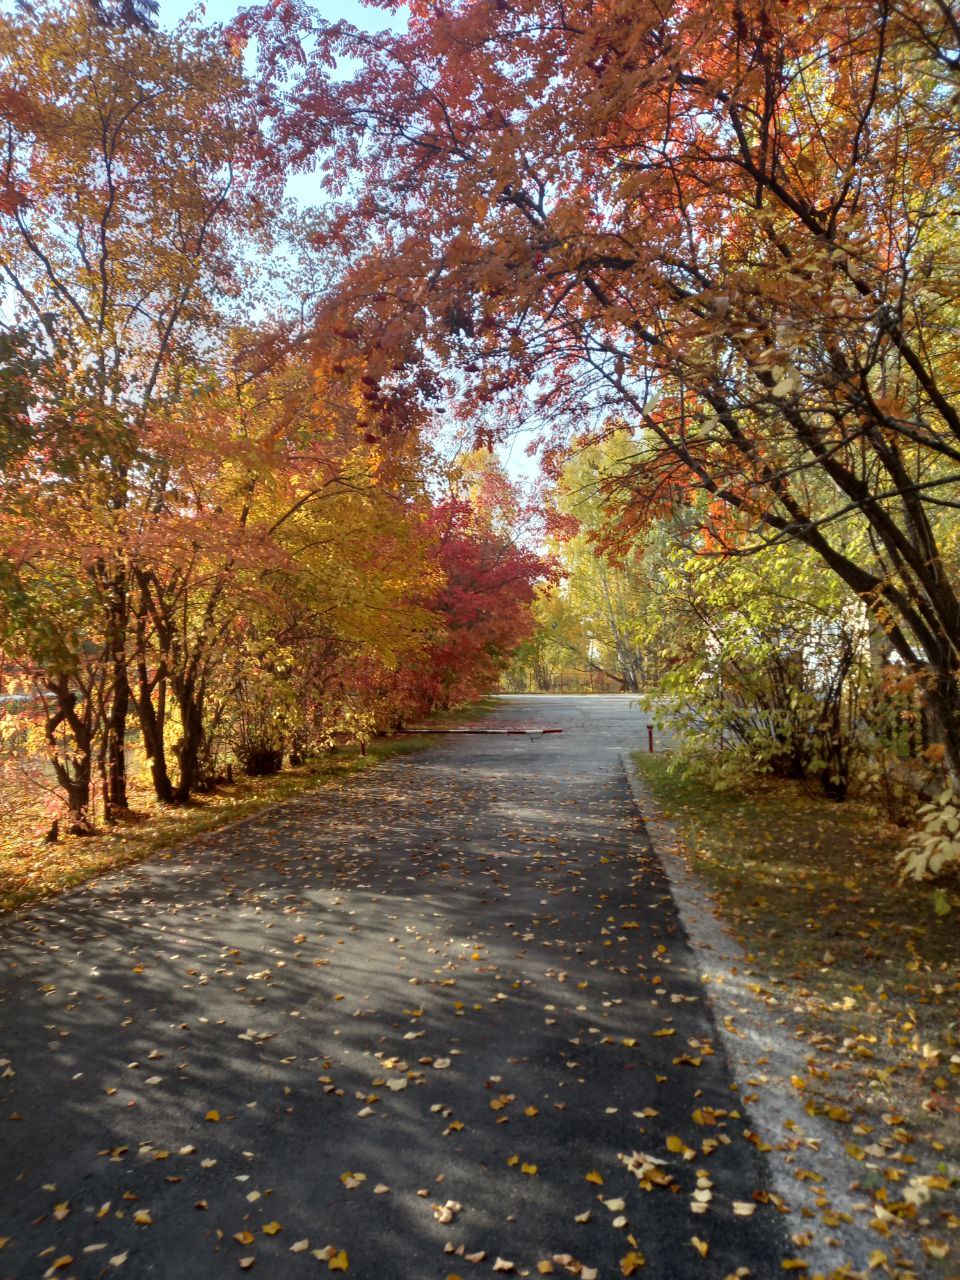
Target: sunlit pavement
416 1024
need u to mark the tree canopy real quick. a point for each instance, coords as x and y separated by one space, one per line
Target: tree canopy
730 230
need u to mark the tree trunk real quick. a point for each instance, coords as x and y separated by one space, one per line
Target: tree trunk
190 702
115 782
74 772
943 711
118 614
152 719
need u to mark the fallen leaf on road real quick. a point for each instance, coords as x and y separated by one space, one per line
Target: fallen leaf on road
445 1213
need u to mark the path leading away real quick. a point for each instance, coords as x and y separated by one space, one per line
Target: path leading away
435 1021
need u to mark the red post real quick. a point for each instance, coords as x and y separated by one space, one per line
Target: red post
649 737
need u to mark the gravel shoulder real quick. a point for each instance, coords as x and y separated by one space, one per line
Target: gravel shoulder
832 1220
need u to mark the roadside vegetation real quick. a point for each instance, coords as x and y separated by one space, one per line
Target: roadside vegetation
32 868
865 973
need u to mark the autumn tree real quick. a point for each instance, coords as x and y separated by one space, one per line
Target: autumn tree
490 571
609 596
120 244
731 228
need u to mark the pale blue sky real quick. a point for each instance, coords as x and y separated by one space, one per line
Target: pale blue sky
223 10
301 186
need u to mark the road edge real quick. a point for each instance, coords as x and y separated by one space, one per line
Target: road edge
773 1104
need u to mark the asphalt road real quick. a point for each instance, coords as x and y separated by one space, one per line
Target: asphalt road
460 977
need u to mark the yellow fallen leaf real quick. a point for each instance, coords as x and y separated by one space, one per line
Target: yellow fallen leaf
666 1031
793 1264
338 1261
701 1246
632 1263
271 1228
743 1208
246 1263
595 1178
243 1237
529 1169
530 1111
935 1248
300 1246
63 1261
674 1143
213 1117
142 1218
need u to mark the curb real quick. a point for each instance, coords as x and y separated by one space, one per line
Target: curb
763 1055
